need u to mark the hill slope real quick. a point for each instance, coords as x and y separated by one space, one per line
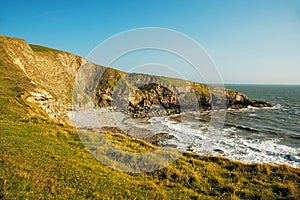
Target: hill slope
42 158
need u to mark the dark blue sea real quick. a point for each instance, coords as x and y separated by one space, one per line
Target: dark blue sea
282 122
274 133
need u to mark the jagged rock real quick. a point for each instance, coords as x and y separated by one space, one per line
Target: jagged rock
155 98
237 100
159 138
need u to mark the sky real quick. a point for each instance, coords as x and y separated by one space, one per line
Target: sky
249 41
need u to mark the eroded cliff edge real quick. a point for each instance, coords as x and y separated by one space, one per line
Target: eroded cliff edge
137 94
62 82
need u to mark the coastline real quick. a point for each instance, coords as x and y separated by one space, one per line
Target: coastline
174 131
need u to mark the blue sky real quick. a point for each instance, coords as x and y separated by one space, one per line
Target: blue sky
250 41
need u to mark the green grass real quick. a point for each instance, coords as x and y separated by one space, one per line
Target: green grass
42 49
43 159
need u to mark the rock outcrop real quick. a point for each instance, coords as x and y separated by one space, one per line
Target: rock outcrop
146 95
62 82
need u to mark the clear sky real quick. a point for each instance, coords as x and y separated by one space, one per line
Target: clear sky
250 41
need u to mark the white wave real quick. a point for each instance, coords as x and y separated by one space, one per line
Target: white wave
254 151
277 106
229 144
252 108
252 115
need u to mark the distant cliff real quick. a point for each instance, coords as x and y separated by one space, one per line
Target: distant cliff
141 94
54 73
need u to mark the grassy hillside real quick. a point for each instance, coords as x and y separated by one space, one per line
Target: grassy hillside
43 159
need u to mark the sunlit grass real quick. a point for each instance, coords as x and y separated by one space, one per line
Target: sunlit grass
42 49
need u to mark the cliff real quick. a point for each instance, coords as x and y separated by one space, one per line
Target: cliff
54 74
137 94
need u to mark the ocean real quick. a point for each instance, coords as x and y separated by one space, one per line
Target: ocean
274 133
251 135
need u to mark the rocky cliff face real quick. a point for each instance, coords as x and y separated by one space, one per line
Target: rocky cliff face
141 95
59 78
51 73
